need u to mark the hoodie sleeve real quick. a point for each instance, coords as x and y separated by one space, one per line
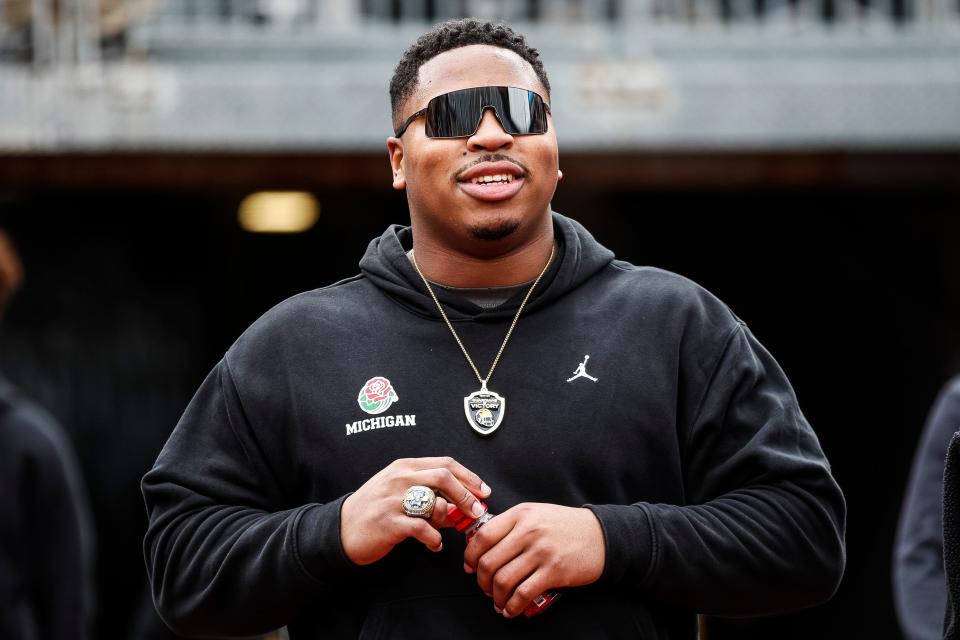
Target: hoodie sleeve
225 553
920 588
763 528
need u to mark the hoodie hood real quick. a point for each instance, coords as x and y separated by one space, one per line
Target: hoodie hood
386 265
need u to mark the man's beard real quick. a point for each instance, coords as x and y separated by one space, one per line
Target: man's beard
496 230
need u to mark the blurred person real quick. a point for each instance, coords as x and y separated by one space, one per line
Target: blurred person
920 587
652 461
46 535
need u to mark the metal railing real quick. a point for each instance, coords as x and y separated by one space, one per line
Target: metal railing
691 13
42 31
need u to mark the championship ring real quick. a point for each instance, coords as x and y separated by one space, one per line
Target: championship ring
418 501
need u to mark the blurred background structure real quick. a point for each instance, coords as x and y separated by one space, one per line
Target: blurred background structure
199 75
800 158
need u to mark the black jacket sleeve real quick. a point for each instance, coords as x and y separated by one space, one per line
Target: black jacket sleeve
225 551
762 530
920 590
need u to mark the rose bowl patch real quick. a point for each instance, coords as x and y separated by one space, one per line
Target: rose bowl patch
377 395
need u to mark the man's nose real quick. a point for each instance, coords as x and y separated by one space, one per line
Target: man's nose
490 135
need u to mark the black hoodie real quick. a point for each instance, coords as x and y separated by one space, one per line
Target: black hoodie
711 488
46 533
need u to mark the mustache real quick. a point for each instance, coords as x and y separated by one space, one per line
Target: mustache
493 157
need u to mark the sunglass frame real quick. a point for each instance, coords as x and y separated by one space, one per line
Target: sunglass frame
483 108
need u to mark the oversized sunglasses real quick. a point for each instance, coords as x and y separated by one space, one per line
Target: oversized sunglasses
458 114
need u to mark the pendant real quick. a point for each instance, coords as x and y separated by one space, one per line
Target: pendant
484 410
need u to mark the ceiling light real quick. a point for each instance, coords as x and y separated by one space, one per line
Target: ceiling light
278 212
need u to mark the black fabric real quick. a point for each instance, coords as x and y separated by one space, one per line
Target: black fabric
920 589
710 486
386 266
486 297
46 535
951 537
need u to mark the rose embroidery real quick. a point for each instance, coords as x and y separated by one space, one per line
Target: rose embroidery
376 395
377 389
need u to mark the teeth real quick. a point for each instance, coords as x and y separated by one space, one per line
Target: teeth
503 177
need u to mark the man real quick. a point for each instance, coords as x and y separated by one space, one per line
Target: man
919 582
46 532
683 479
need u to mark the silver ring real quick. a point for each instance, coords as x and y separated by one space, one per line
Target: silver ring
418 501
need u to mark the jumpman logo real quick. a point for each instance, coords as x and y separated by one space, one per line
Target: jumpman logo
581 371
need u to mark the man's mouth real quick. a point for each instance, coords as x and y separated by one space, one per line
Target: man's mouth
492 181
503 178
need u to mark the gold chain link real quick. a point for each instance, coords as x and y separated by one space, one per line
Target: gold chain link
483 381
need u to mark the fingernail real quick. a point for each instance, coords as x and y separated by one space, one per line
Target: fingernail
477 510
439 547
498 610
506 614
484 488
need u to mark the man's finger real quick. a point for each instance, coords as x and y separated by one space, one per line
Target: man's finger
421 530
489 535
439 516
468 478
495 560
445 482
525 592
509 576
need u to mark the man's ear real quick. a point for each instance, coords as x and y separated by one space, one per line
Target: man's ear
395 149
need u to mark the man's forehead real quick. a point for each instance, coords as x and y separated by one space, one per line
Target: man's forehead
475 65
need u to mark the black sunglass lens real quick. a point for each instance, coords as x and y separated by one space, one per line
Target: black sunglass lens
519 114
454 115
457 114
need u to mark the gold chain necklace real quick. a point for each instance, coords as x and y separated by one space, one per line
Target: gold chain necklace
484 409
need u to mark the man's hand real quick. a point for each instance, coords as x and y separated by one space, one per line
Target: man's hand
533 548
372 520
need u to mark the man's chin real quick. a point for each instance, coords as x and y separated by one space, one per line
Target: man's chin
494 230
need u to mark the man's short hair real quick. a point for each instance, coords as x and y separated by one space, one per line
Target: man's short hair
453 34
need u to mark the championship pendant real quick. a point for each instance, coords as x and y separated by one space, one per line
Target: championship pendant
484 410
